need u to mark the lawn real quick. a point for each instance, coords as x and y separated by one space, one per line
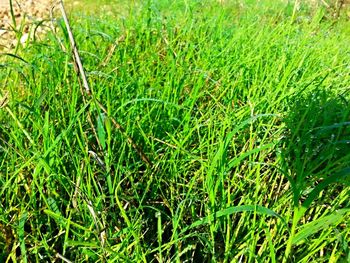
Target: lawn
215 131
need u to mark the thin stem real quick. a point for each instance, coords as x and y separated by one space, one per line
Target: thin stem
297 214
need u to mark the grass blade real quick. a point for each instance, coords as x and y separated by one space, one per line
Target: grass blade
236 209
341 176
321 223
22 220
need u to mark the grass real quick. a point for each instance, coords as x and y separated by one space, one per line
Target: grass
243 113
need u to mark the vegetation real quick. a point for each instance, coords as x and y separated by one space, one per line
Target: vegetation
241 107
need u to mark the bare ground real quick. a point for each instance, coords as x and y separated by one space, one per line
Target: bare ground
27 14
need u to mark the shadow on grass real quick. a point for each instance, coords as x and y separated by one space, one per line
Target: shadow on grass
316 144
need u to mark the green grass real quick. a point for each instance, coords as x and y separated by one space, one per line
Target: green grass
242 110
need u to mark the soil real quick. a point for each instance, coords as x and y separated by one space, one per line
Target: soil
28 15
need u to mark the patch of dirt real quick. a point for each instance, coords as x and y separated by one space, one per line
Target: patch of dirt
29 16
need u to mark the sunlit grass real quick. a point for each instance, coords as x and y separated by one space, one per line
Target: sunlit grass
111 8
243 114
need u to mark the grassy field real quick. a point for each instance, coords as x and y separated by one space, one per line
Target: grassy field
240 108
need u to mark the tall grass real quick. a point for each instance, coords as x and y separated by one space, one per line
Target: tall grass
243 114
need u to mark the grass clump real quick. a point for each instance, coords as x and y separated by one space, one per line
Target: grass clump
243 114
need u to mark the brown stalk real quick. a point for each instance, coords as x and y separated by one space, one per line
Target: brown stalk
111 51
85 85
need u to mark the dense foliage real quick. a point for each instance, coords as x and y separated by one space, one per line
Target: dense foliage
241 107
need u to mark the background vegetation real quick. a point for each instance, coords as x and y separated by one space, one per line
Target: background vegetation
242 108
